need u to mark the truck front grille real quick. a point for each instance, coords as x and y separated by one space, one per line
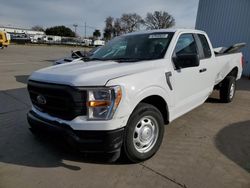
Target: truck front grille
62 101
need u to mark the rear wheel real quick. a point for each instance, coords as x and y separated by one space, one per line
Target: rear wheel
144 133
227 90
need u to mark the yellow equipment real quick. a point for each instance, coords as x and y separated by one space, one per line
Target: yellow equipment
4 39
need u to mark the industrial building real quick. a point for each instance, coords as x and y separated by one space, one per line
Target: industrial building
21 31
21 35
226 22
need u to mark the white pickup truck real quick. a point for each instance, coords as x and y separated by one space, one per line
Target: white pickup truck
121 97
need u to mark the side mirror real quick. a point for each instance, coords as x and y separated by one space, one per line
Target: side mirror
186 60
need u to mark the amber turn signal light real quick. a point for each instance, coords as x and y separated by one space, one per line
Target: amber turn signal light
98 103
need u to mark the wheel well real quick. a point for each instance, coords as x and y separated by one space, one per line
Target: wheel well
233 72
160 104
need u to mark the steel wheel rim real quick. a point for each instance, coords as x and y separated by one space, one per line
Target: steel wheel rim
145 134
232 88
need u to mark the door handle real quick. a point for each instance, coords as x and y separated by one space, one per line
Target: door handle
202 70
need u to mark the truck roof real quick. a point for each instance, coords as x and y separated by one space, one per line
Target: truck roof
167 30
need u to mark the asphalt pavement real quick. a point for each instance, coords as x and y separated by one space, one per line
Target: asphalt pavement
208 147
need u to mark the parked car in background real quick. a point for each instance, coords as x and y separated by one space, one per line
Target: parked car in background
37 38
20 38
77 56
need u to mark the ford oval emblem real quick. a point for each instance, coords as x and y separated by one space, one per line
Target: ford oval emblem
41 99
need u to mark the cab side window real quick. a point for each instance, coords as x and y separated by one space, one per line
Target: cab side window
205 46
186 45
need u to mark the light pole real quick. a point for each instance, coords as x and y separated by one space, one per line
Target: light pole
85 25
75 26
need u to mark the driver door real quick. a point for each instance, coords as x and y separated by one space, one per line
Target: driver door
187 81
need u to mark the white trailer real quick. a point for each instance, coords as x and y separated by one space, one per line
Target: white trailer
99 42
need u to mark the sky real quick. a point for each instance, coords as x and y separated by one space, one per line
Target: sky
47 13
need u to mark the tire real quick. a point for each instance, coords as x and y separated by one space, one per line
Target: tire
143 133
227 90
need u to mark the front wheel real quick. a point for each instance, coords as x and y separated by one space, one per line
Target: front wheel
144 133
227 90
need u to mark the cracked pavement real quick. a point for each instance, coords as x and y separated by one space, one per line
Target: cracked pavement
207 147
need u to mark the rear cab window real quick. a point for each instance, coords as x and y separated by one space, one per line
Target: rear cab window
205 46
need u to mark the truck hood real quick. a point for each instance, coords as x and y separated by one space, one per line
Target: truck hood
92 73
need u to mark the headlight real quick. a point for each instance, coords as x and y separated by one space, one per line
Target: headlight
102 102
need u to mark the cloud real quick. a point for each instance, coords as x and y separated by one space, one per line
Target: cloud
28 13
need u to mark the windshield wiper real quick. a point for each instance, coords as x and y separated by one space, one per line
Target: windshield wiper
92 59
120 60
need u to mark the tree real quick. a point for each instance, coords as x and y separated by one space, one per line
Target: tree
60 31
108 30
131 22
37 28
126 24
159 20
117 28
96 33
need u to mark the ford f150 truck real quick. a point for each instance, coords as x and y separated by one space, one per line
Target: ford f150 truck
121 97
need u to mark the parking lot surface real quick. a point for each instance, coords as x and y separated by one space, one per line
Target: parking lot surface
207 147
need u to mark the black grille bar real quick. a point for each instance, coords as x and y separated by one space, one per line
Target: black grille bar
62 101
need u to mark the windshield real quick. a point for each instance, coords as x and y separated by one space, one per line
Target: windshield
137 47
